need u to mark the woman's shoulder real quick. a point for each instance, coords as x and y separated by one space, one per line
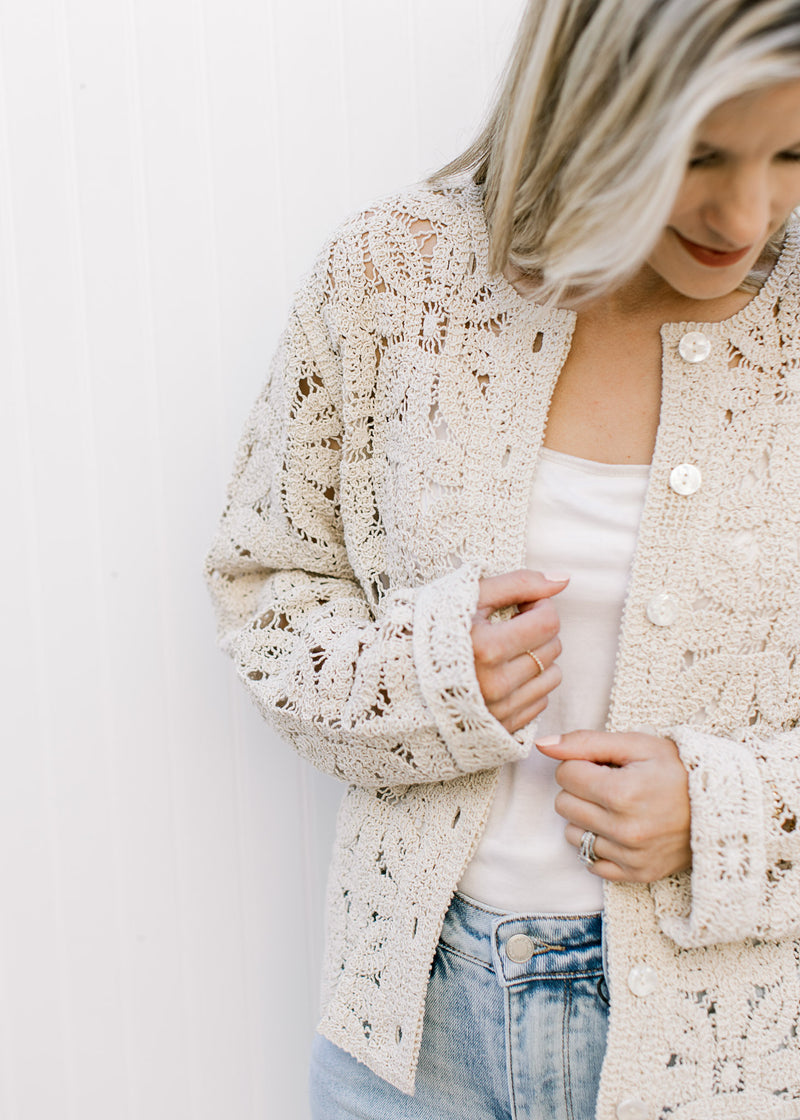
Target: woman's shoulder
451 208
786 271
428 233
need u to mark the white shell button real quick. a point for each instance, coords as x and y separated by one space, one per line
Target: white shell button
662 610
519 948
685 479
642 980
632 1109
694 347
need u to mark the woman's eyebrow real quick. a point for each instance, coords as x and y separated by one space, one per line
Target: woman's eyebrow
703 146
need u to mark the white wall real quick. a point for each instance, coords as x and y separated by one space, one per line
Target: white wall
168 169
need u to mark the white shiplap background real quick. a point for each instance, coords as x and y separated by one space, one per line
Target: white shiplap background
168 170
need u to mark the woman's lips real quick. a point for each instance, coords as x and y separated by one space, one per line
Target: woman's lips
713 258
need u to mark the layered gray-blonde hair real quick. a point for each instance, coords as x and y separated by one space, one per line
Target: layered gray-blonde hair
585 148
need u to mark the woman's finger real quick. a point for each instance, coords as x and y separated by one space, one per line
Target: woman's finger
514 657
533 663
614 861
525 716
508 708
513 589
498 644
592 783
521 671
584 814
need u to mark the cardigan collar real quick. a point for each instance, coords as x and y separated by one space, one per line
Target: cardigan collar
756 311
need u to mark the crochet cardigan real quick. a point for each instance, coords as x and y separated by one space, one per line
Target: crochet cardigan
385 468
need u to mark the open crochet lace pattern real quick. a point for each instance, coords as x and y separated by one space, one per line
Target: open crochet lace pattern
386 467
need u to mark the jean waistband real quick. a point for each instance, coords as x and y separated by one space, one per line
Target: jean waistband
521 947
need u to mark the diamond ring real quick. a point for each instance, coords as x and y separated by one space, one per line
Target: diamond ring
586 853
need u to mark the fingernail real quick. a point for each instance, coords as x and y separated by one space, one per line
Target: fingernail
548 741
556 577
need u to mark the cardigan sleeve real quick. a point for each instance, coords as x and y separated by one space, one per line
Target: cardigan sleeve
376 689
745 876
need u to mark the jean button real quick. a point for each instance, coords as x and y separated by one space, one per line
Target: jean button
519 948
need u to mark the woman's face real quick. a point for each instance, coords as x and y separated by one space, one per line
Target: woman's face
742 182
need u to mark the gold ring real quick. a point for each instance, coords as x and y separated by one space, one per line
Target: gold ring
530 653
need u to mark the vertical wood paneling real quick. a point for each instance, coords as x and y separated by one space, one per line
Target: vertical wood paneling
53 331
381 97
245 145
459 51
448 112
180 246
313 155
168 171
31 1016
247 192
499 24
108 153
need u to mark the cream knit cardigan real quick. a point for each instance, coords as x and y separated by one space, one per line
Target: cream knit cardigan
384 469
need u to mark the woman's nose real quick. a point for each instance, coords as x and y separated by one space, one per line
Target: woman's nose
740 208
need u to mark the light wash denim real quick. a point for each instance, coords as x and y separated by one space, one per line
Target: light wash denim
502 1039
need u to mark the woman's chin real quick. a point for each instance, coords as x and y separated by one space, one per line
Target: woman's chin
687 277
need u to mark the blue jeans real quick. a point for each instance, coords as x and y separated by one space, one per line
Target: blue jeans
515 1027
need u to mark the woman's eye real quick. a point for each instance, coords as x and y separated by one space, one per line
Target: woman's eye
705 160
790 157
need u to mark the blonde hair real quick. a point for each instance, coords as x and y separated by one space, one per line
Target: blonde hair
588 141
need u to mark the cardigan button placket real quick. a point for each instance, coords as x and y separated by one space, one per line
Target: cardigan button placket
642 980
662 610
694 347
685 479
632 1109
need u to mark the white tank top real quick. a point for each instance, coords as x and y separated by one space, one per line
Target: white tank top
583 519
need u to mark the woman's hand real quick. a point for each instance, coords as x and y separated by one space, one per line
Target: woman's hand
513 685
632 791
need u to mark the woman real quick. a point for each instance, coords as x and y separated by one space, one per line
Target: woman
582 360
